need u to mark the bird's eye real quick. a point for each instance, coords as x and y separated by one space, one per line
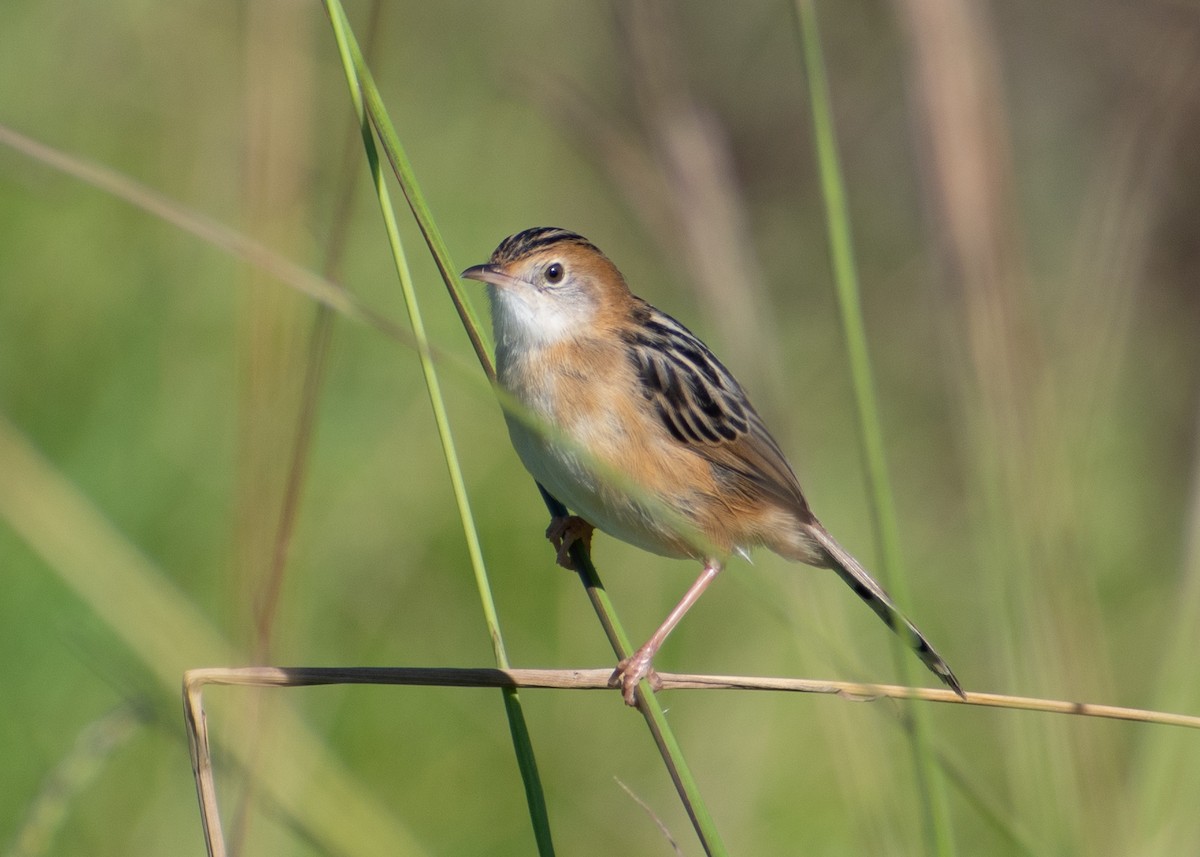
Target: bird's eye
554 272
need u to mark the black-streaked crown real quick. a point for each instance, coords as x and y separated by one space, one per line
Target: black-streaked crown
522 244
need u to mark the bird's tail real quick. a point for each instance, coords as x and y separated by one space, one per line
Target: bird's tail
865 587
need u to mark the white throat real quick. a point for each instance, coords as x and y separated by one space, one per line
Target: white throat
530 319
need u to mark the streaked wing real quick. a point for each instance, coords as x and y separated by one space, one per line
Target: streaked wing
702 405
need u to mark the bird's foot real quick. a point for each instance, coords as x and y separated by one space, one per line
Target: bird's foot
564 532
631 671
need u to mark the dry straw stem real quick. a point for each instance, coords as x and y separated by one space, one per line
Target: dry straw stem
572 679
597 679
569 679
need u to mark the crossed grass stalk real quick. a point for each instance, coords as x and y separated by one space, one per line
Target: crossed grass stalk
372 115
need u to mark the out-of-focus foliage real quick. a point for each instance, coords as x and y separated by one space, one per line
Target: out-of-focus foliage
1025 187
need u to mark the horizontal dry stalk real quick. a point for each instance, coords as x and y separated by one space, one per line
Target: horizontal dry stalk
597 679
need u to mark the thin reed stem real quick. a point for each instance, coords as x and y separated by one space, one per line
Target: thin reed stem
522 742
377 114
931 786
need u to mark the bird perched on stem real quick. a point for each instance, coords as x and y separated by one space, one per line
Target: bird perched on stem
642 432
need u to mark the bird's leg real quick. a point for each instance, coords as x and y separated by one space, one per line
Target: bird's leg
638 666
564 532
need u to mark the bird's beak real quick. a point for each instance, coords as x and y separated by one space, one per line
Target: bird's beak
490 274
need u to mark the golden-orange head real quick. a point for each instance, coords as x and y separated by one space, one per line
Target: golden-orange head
547 284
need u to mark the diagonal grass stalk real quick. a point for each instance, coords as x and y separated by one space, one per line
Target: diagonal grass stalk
167 631
522 742
650 707
78 769
930 782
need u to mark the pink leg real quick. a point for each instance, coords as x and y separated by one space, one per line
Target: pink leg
633 669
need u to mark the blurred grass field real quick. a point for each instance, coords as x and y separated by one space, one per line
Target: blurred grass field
1025 192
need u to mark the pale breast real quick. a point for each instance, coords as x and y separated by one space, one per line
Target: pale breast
603 453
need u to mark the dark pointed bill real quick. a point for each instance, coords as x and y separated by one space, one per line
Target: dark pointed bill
491 275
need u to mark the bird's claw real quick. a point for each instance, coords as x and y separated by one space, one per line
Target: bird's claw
630 672
564 532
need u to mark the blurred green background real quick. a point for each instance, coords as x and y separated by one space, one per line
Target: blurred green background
1024 183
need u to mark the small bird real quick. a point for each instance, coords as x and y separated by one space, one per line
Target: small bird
640 430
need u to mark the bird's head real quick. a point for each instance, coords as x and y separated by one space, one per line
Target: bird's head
547 285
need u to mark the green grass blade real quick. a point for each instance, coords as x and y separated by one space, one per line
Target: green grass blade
168 633
522 743
376 112
930 782
366 96
78 769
